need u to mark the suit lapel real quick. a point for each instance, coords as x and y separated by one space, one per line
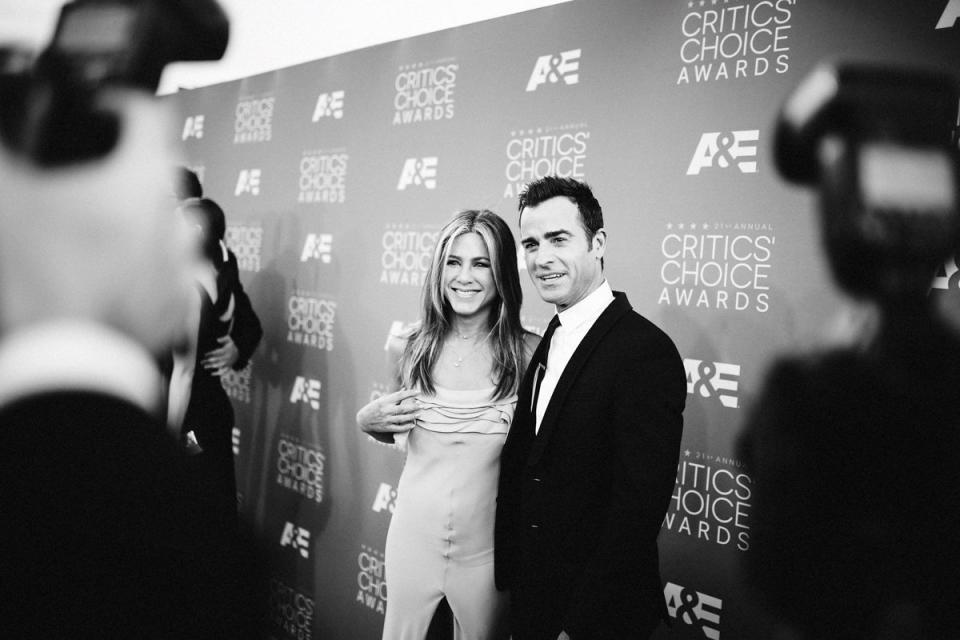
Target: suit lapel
600 328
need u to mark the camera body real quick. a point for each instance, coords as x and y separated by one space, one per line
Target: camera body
51 114
878 143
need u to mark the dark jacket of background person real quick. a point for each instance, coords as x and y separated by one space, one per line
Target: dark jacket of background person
245 330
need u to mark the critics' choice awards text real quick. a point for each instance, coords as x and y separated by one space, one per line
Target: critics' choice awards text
728 271
711 502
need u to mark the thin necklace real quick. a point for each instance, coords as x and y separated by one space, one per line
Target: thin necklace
469 352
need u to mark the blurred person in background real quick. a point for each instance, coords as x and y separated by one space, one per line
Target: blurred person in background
199 410
237 346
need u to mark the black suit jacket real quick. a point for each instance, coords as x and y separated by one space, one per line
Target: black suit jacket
100 533
581 503
245 330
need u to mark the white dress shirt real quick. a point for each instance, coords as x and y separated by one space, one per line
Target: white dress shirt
76 355
575 322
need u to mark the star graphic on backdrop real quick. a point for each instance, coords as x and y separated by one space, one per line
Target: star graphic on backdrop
686 453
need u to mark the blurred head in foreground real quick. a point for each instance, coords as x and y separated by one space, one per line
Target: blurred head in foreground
94 241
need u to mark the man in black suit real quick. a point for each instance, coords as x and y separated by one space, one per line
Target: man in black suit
99 535
590 462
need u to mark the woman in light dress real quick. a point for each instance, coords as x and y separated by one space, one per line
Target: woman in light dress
458 371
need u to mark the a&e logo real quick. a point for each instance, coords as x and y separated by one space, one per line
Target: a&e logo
248 182
950 15
329 105
694 608
551 68
319 246
713 379
192 127
296 537
724 149
385 499
417 172
306 391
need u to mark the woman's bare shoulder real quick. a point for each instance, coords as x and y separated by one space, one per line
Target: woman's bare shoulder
399 338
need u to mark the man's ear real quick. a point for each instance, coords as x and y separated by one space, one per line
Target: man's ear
599 242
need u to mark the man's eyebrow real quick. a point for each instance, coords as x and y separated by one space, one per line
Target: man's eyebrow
549 235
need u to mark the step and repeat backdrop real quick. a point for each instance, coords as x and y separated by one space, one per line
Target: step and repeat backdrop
337 174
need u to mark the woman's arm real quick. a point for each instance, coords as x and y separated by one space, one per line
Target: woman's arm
393 412
389 414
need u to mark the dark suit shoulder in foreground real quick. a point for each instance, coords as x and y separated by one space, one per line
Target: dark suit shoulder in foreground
97 529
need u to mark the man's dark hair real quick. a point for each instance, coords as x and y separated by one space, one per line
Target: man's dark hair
215 217
186 184
579 193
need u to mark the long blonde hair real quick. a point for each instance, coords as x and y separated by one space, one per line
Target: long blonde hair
505 333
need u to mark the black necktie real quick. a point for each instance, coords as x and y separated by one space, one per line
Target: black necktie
542 366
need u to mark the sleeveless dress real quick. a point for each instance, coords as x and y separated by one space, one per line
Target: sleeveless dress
440 541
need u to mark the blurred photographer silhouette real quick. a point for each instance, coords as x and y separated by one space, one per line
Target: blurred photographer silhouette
856 503
97 537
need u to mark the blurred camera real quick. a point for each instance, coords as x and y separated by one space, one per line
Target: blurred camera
879 145
49 110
